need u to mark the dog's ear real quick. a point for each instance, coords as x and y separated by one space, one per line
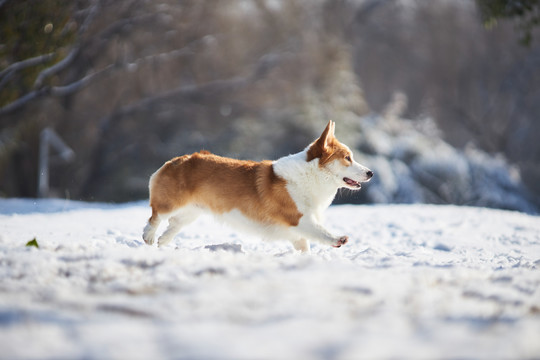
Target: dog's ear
332 128
318 147
327 135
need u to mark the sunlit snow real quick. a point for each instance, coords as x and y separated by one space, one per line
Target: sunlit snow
415 281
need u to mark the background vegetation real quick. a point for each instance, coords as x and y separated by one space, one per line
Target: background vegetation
129 84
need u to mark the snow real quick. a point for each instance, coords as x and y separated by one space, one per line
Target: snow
415 281
414 164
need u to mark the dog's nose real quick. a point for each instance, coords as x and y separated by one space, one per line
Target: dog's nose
369 174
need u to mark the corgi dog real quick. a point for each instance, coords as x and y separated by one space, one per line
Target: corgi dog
281 199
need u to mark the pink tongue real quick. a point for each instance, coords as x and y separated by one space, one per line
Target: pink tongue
350 182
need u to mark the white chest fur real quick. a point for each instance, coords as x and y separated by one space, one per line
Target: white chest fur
310 186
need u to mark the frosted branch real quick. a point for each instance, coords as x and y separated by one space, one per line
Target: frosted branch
56 67
37 60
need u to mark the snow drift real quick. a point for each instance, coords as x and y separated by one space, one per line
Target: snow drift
415 281
413 164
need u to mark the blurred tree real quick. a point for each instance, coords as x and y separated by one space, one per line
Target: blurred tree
128 84
526 12
480 87
34 34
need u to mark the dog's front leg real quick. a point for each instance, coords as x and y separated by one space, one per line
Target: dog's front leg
311 229
301 245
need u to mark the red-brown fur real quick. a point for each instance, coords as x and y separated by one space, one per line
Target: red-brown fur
327 148
280 199
221 185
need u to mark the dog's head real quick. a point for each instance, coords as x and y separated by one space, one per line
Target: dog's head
337 159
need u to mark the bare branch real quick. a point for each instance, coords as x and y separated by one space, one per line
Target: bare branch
260 70
6 79
211 87
81 83
77 85
85 81
90 12
56 67
120 25
58 91
17 104
7 74
26 63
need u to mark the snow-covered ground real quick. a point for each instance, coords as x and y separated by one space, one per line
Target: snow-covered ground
415 281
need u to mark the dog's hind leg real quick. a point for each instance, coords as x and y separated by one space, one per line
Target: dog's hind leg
151 227
177 222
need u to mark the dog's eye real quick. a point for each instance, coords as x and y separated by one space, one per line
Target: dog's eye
348 158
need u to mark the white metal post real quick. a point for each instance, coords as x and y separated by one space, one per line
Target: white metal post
47 138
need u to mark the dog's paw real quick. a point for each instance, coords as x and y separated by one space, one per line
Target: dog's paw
148 240
342 241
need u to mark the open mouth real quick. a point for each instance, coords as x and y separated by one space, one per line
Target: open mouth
352 183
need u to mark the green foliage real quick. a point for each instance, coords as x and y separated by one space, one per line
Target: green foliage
33 242
526 12
30 28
